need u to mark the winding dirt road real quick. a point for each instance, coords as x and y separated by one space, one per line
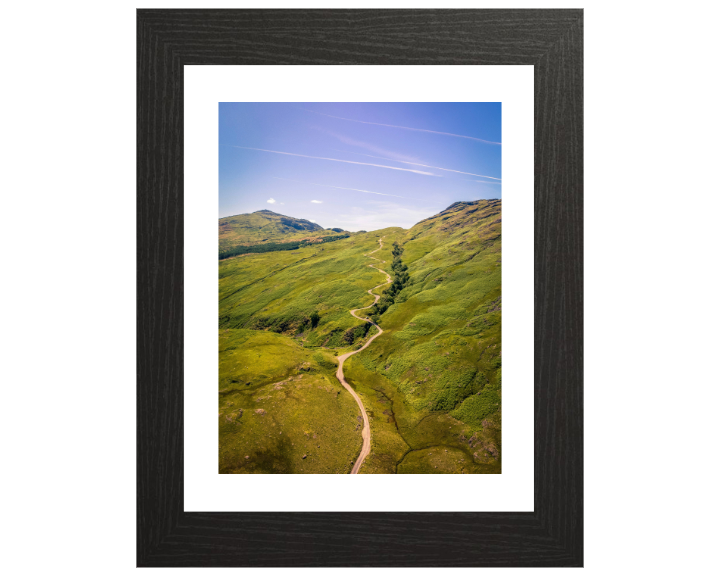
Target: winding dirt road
340 376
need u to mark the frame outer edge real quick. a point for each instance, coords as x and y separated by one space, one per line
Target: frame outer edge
552 536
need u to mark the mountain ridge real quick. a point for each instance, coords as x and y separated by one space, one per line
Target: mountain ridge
265 226
242 229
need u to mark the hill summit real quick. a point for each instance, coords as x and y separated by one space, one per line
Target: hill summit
265 226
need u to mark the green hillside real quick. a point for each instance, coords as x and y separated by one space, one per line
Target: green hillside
266 226
430 383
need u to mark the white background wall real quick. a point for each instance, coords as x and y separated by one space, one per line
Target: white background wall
68 226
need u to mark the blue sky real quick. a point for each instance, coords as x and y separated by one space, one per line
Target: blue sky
357 166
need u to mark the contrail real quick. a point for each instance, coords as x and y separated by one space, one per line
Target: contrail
339 187
424 165
335 160
404 127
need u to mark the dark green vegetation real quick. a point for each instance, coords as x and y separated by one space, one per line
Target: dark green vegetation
431 383
401 278
277 246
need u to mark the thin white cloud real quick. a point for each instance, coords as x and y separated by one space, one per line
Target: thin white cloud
316 201
339 187
367 146
271 201
338 160
313 221
405 128
427 166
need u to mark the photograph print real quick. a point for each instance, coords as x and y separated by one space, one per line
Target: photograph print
360 288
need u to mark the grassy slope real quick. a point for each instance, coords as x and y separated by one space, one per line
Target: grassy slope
280 290
435 373
265 226
431 383
280 402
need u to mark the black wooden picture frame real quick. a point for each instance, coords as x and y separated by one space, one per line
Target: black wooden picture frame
551 41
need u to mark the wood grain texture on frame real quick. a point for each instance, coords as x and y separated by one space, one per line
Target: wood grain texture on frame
552 41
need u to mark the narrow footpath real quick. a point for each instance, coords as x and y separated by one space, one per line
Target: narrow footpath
340 376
